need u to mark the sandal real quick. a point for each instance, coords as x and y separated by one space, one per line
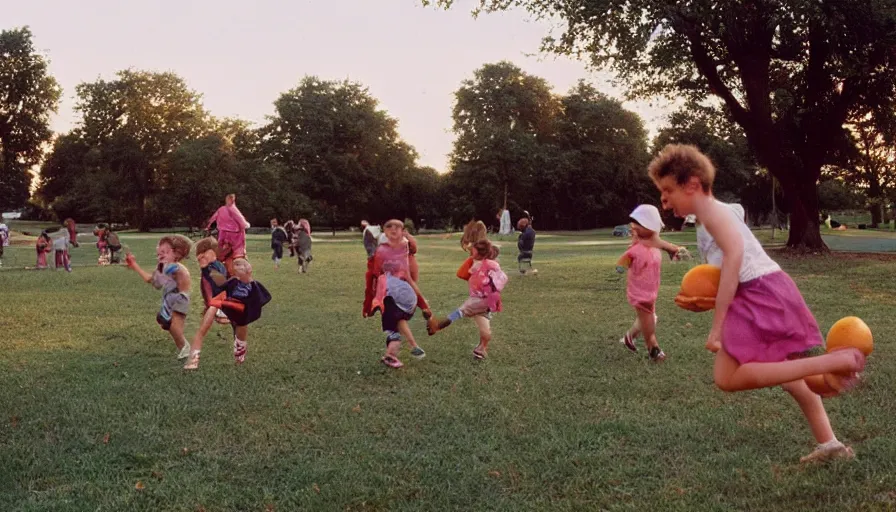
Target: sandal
478 354
391 362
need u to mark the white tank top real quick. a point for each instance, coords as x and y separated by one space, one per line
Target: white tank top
755 263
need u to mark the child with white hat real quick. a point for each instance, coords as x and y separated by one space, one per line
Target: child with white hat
644 260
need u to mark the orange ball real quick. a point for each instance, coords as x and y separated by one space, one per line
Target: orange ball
850 332
701 281
699 288
820 386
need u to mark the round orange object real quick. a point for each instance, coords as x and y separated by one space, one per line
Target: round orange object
850 332
699 288
819 385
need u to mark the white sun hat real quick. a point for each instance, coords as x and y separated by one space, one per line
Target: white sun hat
648 216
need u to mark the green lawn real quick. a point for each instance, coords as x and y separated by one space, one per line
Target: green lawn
560 417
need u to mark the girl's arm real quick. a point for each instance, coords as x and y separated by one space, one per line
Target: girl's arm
213 218
132 264
659 243
732 245
239 216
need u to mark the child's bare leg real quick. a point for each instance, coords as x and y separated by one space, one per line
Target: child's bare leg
729 375
648 328
636 328
405 329
207 320
813 410
485 334
177 329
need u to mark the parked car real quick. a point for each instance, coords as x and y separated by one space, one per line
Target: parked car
622 230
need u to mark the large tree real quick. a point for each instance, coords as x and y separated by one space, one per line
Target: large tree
504 119
871 166
339 148
134 122
602 153
28 95
789 72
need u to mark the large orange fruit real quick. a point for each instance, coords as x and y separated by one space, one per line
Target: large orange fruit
850 332
699 288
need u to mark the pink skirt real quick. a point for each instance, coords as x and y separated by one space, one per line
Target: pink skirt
768 321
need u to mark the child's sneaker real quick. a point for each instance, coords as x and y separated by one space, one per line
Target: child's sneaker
192 362
629 342
239 351
391 362
418 352
184 351
657 355
832 449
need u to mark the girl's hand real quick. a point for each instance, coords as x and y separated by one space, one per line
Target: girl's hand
714 341
130 261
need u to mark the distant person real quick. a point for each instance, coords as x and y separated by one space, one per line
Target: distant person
371 237
43 246
525 243
303 244
4 239
278 238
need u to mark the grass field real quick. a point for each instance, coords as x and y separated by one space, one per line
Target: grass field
559 417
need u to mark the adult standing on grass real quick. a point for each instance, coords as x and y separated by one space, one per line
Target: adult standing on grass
232 227
526 241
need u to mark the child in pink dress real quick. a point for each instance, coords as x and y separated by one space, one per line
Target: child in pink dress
644 260
486 280
761 325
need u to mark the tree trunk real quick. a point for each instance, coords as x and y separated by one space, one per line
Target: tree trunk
802 197
874 200
875 215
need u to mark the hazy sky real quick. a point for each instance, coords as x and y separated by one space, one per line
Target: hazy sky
240 55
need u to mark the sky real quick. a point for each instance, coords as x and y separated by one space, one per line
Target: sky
241 55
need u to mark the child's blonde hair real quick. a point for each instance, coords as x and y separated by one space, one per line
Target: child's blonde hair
391 222
206 244
474 231
682 161
180 245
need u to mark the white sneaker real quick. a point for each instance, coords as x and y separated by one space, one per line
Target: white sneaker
833 449
184 352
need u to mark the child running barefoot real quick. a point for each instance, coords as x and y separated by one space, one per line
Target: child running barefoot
396 294
761 324
242 301
644 260
213 277
174 280
486 280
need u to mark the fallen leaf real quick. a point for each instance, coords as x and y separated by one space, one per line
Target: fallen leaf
269 508
316 488
106 438
139 486
356 408
14 421
495 473
688 325
157 475
184 451
115 364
